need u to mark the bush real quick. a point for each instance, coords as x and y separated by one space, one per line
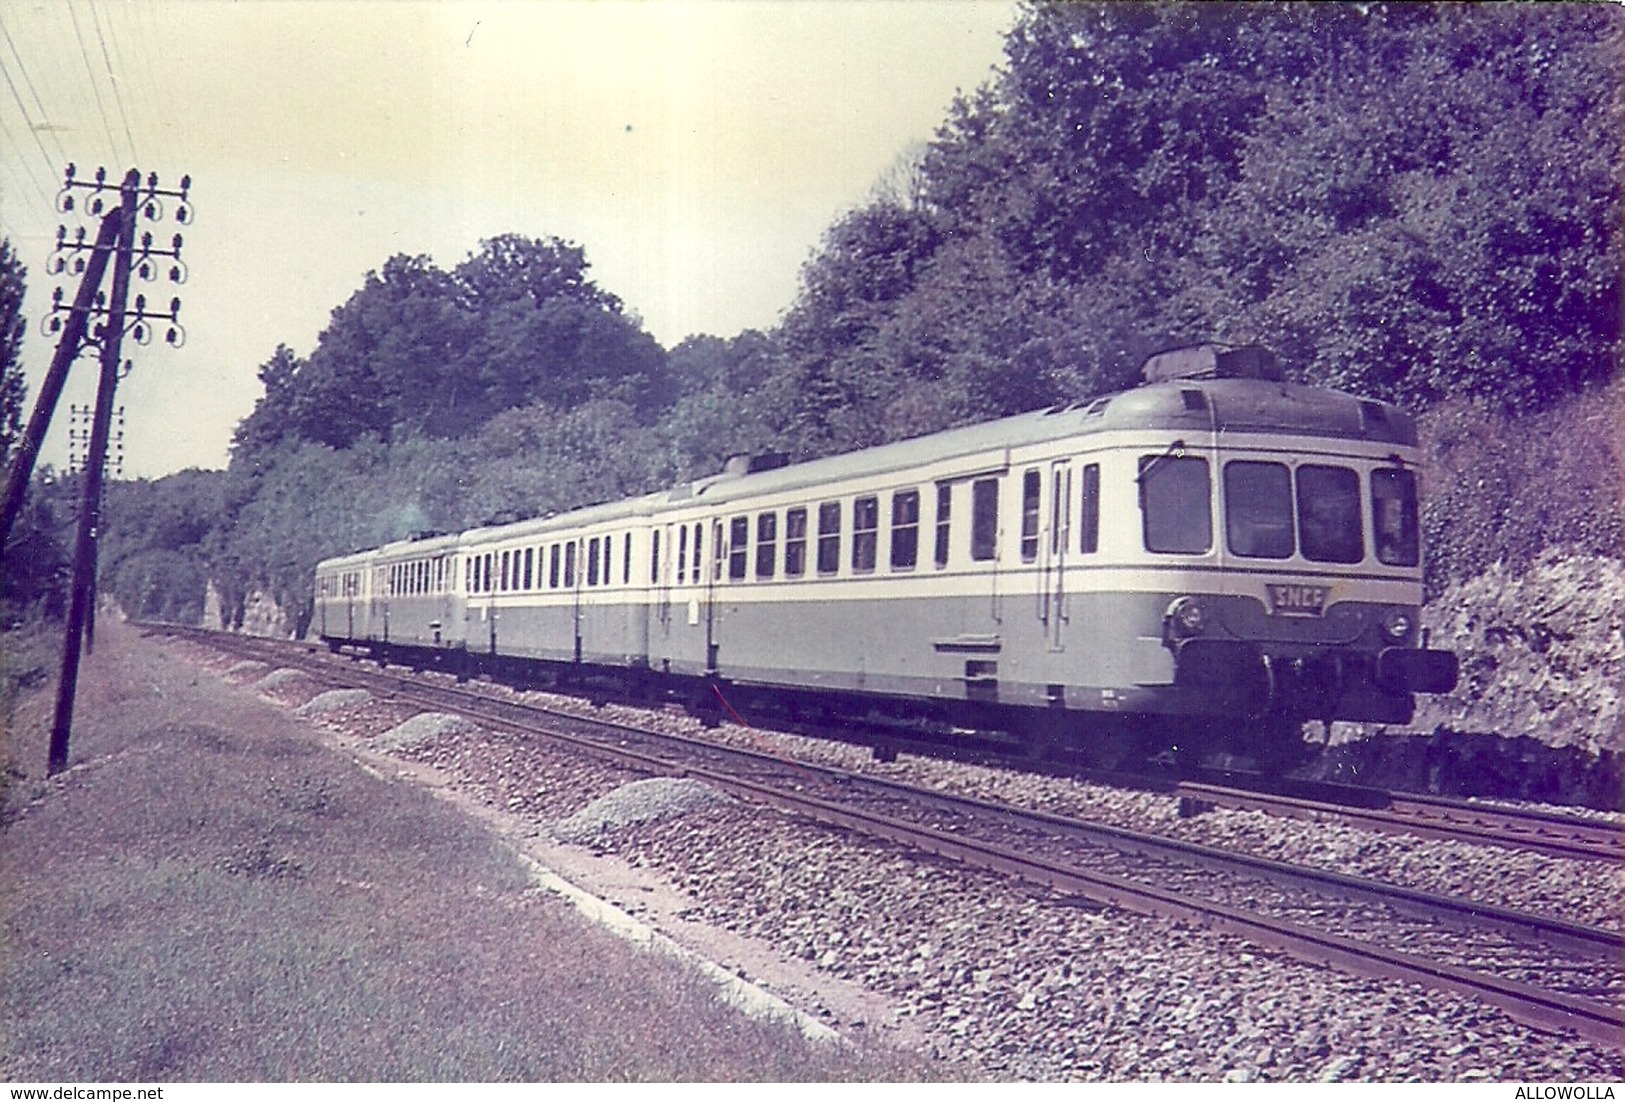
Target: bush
1501 489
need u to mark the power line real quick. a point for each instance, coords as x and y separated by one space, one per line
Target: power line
113 82
161 96
22 109
44 115
39 189
95 90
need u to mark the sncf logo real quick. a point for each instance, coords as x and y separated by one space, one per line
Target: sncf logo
1297 600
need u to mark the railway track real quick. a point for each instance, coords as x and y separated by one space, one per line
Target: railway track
1545 832
1543 971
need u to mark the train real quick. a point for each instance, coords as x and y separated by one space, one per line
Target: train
1196 566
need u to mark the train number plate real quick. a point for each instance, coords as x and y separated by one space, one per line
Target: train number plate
1297 600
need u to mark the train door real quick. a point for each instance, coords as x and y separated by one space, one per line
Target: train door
380 602
488 587
665 559
439 583
1057 539
574 570
713 576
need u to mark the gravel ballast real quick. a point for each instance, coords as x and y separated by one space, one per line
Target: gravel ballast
1024 984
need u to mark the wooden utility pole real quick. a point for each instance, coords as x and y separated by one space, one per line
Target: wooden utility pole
84 551
133 201
67 350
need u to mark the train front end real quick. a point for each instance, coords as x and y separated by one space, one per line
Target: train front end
1296 513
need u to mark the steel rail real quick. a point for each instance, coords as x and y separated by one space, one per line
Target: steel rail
1433 817
1588 1018
1594 1020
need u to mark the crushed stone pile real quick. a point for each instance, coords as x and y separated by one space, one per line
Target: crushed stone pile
332 701
277 678
639 802
425 727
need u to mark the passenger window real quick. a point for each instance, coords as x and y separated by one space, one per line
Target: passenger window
767 535
795 543
1060 528
1176 504
530 565
865 533
905 529
717 549
698 531
945 501
738 547
609 543
592 561
829 537
1089 515
1393 515
626 559
1030 483
570 565
682 553
490 561
654 558
1329 514
984 519
1258 510
553 567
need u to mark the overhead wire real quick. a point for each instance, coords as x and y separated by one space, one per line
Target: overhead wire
33 130
28 169
44 116
113 82
95 88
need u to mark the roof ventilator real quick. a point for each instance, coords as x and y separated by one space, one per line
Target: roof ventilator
1213 361
751 464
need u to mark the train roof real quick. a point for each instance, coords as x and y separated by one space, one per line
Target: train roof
1180 399
1227 406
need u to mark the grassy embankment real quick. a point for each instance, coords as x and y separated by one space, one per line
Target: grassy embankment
209 894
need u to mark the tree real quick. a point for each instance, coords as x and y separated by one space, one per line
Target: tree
13 389
272 419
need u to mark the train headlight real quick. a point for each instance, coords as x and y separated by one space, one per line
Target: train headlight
1397 625
1187 617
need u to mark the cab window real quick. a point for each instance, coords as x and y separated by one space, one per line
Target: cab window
1175 504
1393 516
1258 510
1329 514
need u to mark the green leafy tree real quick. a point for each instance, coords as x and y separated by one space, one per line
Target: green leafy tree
34 583
152 555
272 419
13 390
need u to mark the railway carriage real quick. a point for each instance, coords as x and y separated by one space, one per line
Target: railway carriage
1205 561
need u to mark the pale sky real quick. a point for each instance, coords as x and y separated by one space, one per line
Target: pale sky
697 150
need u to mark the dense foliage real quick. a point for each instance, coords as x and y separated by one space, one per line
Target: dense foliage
1417 202
13 286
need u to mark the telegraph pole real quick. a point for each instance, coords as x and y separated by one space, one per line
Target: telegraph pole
67 350
134 200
